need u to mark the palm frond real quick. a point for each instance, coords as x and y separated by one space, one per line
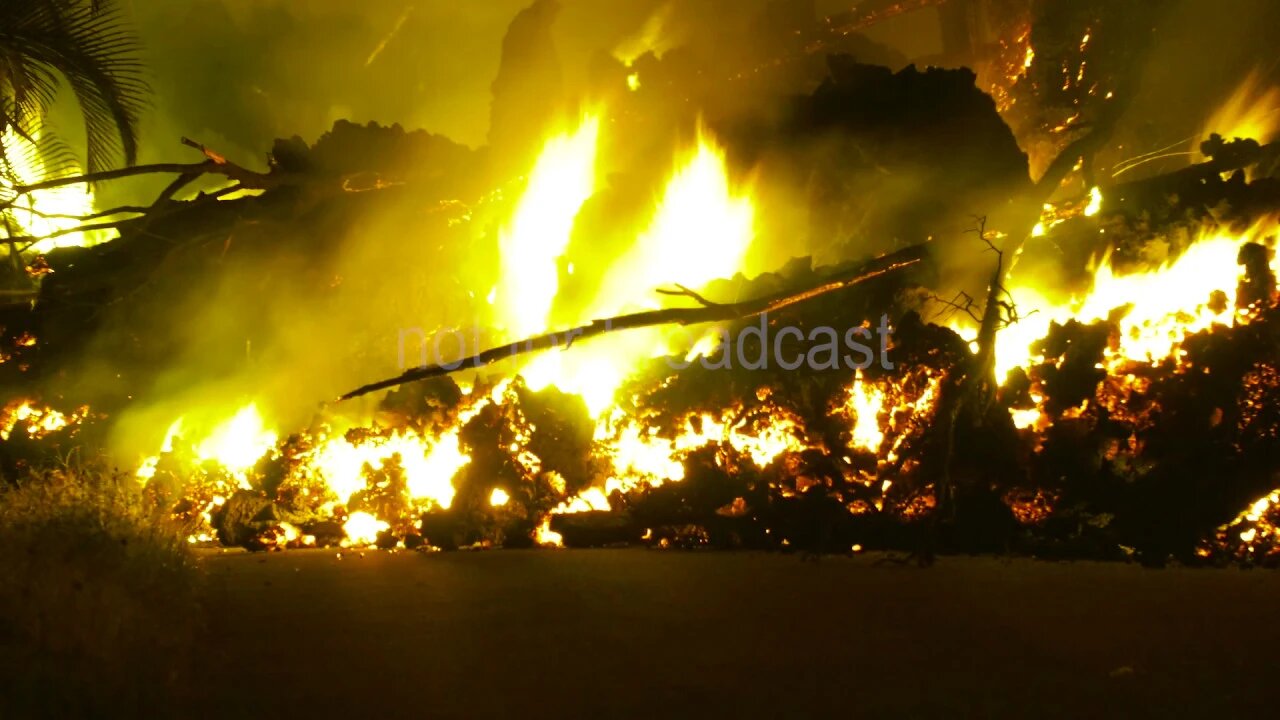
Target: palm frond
86 44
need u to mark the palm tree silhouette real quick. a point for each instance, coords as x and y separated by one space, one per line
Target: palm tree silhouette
85 46
46 45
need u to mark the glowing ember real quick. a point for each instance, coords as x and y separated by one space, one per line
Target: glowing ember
1095 202
642 457
1255 533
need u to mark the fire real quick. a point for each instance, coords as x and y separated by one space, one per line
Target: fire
1252 111
238 443
147 469
546 537
1255 533
38 421
1095 202
1160 306
864 404
429 466
429 463
1170 302
700 229
642 456
362 529
700 232
589 500
561 181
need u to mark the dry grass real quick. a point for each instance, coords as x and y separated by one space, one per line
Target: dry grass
98 606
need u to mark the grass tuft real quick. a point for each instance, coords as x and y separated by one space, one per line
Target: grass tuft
98 603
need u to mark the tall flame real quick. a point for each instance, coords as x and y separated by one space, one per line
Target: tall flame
701 231
561 181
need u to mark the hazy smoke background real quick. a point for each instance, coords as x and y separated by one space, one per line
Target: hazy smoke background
238 73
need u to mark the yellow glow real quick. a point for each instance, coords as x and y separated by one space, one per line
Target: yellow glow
546 537
238 443
633 81
30 212
147 469
590 499
499 497
653 37
1252 111
362 529
1095 202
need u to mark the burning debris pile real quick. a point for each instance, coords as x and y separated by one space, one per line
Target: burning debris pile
1086 370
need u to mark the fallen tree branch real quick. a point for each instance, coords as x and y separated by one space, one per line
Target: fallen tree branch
135 209
668 316
214 164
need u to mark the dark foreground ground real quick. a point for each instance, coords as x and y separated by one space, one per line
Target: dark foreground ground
634 633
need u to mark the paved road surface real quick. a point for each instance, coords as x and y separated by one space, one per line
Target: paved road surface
635 633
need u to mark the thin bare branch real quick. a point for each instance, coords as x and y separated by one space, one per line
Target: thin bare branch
683 291
669 316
